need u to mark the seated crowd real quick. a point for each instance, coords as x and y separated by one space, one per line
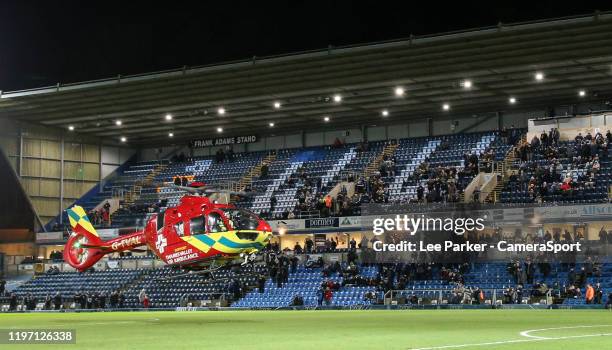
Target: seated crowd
550 167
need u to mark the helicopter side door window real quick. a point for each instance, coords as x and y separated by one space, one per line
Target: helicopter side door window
196 226
161 216
216 223
180 229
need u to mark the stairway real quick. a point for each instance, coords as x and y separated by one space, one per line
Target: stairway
134 193
255 171
503 169
374 166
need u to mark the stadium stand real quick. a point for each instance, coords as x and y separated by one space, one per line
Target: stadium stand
292 183
296 181
167 287
350 284
69 283
426 284
577 171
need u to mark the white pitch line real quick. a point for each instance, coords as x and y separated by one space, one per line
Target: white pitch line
526 333
78 324
531 338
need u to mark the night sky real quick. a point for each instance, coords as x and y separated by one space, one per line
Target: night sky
49 41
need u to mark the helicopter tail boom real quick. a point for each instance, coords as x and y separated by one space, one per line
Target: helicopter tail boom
85 247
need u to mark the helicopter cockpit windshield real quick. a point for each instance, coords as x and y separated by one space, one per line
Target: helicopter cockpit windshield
241 219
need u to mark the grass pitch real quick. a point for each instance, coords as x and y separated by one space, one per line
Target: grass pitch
293 330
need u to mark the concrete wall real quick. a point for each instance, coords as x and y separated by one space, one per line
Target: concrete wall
55 166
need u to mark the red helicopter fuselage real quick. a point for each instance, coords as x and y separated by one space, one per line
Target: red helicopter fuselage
194 233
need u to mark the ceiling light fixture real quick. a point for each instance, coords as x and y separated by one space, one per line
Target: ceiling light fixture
539 76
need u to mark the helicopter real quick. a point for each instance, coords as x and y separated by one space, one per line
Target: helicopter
199 233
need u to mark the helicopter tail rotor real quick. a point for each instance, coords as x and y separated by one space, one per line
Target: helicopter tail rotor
80 250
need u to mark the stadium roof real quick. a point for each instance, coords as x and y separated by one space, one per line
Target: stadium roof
500 62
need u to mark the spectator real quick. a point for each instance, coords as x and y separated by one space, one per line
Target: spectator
294 262
102 300
589 295
57 301
598 293
121 300
308 243
220 156
83 300
263 171
297 300
328 296
297 248
603 235
142 295
30 302
114 299
145 302
13 302
261 283
47 303
320 295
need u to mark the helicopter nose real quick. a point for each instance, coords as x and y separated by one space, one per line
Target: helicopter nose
264 226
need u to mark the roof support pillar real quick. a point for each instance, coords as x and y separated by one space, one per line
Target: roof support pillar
20 168
61 196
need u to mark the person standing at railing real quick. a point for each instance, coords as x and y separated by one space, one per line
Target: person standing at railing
328 296
320 296
57 301
609 302
589 295
598 293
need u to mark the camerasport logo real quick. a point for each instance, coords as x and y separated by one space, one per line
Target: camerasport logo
161 243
